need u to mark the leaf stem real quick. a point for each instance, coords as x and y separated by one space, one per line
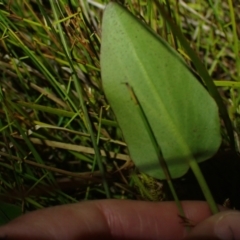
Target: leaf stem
203 184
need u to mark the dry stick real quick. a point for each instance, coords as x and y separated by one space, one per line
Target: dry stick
83 175
76 148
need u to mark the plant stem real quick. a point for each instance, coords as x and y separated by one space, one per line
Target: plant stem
203 184
157 149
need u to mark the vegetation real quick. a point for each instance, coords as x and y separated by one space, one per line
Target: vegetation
60 142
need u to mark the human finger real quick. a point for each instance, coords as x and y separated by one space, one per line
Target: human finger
107 219
224 225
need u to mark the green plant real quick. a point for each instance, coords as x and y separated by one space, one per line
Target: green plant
8 212
169 97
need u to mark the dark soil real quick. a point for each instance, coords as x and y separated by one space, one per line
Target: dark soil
222 173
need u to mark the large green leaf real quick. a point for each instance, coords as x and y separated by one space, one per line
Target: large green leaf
181 113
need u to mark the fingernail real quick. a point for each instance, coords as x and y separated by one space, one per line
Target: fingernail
228 226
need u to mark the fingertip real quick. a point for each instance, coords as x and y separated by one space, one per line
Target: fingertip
222 226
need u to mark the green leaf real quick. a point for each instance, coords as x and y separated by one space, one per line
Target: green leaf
8 212
202 71
181 113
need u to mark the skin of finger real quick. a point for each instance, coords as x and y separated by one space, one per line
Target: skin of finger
106 219
224 225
